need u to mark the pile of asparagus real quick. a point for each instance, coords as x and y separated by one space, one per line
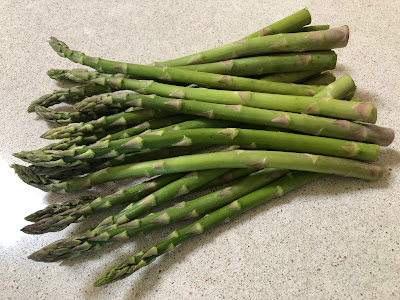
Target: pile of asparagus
278 117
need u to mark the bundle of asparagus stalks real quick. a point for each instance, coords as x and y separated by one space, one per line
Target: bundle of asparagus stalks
267 103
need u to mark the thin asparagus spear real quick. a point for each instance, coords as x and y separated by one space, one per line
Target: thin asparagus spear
64 117
125 224
103 123
196 162
75 93
290 23
58 208
260 65
280 187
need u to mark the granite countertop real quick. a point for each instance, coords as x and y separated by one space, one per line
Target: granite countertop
337 238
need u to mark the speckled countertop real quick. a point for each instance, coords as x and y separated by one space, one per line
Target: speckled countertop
337 238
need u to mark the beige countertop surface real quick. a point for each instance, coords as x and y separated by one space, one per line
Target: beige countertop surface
337 238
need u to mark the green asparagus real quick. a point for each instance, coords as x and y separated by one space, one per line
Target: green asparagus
280 187
260 65
364 111
314 125
125 224
200 78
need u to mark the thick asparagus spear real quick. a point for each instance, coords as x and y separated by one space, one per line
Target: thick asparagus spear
75 93
200 78
125 224
260 65
315 125
103 123
343 88
186 163
364 111
248 138
280 187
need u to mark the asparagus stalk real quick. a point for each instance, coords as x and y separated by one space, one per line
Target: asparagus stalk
200 78
294 22
364 111
196 162
64 117
314 125
290 77
259 65
290 23
105 122
75 93
49 158
64 173
86 206
125 224
58 208
248 138
321 79
280 187
294 43
343 88
58 217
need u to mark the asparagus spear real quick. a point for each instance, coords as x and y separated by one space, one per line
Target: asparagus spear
45 158
64 117
186 163
343 88
58 208
59 217
280 187
321 79
333 108
86 206
64 173
125 224
200 78
315 125
248 138
75 93
294 22
259 65
292 44
105 122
